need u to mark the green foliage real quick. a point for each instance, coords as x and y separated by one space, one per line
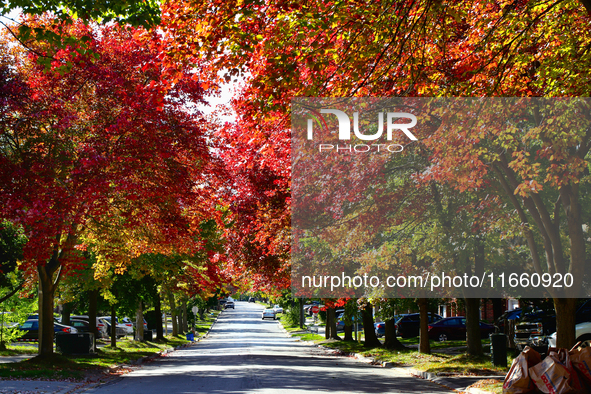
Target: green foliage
14 312
292 316
135 13
12 241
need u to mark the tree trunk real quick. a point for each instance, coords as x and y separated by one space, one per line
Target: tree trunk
158 311
498 308
368 329
424 345
302 317
185 318
175 328
348 331
328 326
179 318
92 307
46 296
139 321
333 324
566 309
113 327
473 326
66 313
390 340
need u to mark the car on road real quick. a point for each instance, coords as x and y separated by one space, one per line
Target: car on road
278 309
407 326
455 328
251 299
269 313
30 329
229 304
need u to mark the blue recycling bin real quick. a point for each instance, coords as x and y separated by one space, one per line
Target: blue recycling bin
190 336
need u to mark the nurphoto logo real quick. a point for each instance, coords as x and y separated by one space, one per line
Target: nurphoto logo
345 131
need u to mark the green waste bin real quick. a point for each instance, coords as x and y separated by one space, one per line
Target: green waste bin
498 349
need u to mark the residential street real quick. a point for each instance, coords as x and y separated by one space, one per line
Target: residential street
244 354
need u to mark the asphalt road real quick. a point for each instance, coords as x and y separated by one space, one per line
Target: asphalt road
244 354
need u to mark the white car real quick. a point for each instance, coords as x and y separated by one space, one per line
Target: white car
269 313
582 333
121 329
278 309
127 321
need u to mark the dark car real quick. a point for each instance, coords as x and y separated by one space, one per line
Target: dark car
251 299
455 328
380 329
538 324
341 323
30 330
80 325
408 325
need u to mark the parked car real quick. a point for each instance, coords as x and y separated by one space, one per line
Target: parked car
380 329
537 325
30 330
121 330
582 332
251 299
278 309
455 328
409 324
100 326
341 322
229 304
127 321
269 313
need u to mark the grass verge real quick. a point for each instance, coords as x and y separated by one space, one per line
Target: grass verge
437 362
18 349
59 367
287 325
490 385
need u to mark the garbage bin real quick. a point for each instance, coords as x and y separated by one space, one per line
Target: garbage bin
148 335
190 336
81 343
498 349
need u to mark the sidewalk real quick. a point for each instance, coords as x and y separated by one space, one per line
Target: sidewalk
38 386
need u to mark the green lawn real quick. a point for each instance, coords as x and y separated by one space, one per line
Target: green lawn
71 367
18 349
436 362
289 327
203 326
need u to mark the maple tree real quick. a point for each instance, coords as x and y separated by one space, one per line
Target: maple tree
414 48
112 130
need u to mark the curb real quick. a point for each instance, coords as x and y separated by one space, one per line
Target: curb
433 377
144 359
473 390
